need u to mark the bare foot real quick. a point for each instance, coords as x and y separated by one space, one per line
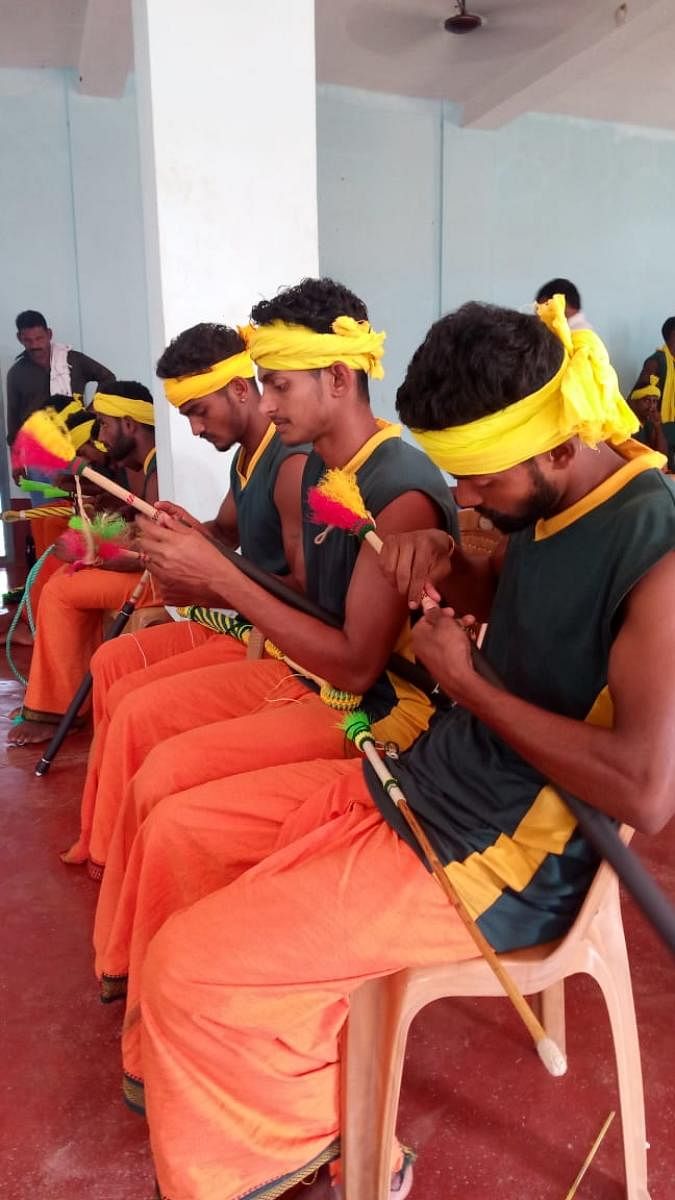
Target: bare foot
29 733
21 635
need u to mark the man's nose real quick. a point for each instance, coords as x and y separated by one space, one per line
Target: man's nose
467 494
265 403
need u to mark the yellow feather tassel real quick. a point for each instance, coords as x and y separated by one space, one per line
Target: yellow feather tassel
342 487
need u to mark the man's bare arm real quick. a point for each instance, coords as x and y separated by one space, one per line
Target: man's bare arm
350 658
288 501
412 561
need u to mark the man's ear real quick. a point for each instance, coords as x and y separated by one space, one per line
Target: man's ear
238 389
129 426
561 456
340 378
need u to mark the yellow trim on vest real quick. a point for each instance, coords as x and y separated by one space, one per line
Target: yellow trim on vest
150 456
410 715
668 394
640 458
385 431
513 861
244 476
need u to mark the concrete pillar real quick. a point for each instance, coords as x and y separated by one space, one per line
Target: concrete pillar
227 130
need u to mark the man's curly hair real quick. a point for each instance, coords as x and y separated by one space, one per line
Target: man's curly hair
473 362
315 303
128 389
197 349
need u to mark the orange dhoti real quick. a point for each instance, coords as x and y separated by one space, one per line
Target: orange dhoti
118 668
244 993
70 628
45 531
267 716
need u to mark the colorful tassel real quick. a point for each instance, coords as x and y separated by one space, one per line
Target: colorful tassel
336 501
43 443
88 544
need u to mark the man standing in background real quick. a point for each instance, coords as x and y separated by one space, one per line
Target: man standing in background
45 368
576 317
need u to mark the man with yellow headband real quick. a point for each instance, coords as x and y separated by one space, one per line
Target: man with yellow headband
582 635
70 624
653 397
315 350
209 377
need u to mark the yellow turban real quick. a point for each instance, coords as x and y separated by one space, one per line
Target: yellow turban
581 400
283 347
192 387
121 406
80 433
650 389
75 405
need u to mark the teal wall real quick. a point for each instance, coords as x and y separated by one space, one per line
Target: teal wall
420 215
71 234
415 213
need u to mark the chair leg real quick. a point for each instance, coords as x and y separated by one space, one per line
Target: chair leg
372 1064
612 972
552 1010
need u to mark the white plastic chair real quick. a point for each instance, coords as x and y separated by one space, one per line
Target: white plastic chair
382 1010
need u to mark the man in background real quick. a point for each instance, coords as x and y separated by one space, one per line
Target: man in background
45 368
653 396
576 317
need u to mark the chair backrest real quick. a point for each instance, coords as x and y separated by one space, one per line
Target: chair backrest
478 534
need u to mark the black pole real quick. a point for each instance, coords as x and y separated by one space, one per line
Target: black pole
275 587
64 726
603 835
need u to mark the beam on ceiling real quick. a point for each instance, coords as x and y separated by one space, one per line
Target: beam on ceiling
106 50
590 44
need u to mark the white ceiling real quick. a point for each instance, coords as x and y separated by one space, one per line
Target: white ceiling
588 58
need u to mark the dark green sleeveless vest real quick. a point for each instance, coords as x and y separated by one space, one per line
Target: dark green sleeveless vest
386 467
513 849
258 520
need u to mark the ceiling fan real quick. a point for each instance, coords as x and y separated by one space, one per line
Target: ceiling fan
463 21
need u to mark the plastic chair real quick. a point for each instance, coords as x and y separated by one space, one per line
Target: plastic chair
382 1010
141 618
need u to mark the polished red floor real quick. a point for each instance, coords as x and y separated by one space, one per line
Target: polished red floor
486 1120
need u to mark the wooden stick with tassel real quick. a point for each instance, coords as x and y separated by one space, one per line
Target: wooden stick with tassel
43 443
357 728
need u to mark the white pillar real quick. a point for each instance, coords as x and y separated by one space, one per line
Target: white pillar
226 104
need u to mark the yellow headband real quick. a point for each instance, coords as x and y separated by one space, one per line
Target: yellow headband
120 406
283 347
74 406
581 400
192 387
650 389
79 434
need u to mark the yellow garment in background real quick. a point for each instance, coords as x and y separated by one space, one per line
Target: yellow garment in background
668 394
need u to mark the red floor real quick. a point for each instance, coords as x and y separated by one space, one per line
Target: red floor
487 1121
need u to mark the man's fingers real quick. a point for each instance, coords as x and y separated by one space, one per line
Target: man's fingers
432 592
